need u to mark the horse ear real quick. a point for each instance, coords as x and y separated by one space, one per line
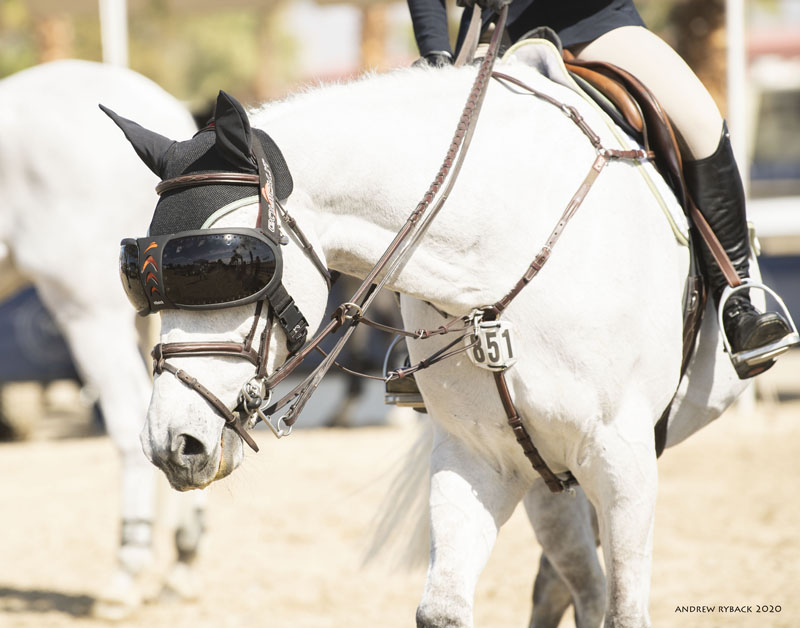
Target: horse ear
149 145
233 132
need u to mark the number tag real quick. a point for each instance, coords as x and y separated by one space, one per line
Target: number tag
492 345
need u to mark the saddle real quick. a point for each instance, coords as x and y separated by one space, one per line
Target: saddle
641 112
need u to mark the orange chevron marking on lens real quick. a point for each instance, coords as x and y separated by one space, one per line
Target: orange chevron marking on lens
153 289
151 275
153 245
148 261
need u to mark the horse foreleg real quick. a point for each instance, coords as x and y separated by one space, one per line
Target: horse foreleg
181 581
103 344
569 571
617 469
469 501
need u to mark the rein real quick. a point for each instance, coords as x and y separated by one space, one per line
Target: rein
350 314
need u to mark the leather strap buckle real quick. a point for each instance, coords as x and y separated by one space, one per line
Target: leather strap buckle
294 325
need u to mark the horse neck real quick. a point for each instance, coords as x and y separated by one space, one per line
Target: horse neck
362 156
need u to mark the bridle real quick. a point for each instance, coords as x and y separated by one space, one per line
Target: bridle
256 392
251 396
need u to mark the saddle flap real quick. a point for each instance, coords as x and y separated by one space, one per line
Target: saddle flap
614 91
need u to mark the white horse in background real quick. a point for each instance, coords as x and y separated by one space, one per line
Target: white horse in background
598 331
69 194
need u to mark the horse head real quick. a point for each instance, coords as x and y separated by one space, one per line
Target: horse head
235 294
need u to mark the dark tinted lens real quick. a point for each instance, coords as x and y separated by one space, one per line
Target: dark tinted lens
129 275
215 268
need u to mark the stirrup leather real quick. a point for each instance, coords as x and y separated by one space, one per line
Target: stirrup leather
743 361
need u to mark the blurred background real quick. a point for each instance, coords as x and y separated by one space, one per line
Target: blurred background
746 51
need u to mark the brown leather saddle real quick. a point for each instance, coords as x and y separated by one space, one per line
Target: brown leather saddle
640 110
642 116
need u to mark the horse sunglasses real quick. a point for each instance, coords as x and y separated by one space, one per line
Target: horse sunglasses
199 270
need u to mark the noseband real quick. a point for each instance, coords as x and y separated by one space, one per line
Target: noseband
251 396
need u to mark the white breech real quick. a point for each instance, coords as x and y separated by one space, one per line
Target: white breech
691 108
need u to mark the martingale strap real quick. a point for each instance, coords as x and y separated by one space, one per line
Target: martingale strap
604 156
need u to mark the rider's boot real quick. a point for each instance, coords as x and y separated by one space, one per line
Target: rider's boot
716 187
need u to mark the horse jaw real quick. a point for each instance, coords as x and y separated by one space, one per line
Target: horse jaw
189 444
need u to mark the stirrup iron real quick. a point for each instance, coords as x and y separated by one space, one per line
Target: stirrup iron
744 360
400 392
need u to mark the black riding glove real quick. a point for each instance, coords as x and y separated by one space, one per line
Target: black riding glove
492 5
435 59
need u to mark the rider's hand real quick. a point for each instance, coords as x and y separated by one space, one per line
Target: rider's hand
492 5
435 59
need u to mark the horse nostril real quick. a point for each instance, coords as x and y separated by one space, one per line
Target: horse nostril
189 446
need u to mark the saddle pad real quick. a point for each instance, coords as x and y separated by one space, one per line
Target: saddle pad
545 58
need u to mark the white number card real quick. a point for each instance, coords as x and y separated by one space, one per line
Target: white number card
492 345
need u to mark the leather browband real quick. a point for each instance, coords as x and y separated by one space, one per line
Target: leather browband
190 180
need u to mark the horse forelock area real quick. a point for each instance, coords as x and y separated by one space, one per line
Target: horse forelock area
189 208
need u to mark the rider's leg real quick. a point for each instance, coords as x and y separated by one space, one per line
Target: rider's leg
711 173
716 188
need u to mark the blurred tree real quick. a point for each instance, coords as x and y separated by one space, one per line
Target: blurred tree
196 55
17 37
373 36
192 54
698 28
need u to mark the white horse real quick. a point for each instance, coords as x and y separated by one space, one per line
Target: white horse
598 331
70 192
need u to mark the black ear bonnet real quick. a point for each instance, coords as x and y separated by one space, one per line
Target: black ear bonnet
223 146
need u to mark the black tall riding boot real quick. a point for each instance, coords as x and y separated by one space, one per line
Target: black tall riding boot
716 187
